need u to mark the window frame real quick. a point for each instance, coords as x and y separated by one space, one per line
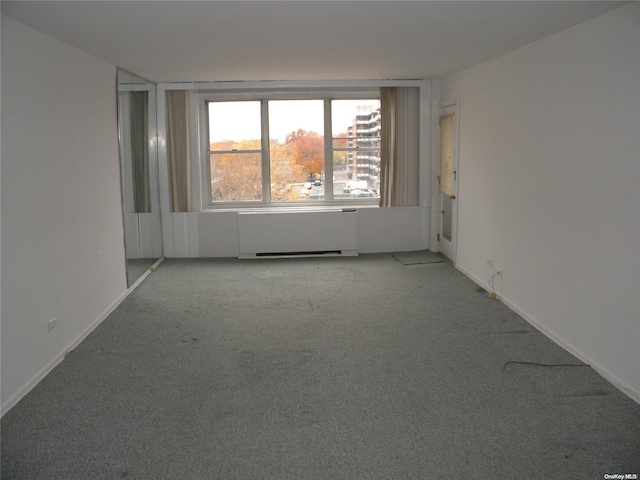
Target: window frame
356 149
264 96
209 152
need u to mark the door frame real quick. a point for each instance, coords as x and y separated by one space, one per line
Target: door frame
448 247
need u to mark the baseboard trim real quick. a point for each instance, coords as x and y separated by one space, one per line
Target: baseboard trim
604 372
37 378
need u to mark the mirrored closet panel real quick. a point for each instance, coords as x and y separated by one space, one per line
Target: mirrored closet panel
137 132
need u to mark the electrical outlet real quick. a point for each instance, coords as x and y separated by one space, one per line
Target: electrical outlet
52 324
489 263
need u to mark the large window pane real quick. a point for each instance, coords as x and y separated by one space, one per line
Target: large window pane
236 176
296 131
351 118
234 122
235 156
356 147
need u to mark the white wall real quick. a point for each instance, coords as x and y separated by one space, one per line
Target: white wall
62 235
550 186
216 234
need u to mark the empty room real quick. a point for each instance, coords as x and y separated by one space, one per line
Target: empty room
310 239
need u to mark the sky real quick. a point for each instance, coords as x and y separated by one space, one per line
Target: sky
237 120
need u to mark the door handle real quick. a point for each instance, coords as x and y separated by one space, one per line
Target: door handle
452 197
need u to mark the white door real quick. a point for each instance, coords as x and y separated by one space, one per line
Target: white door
448 181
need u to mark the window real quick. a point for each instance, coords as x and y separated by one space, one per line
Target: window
293 150
355 145
296 149
235 154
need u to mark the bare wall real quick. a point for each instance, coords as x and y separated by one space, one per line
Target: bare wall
62 235
216 234
550 186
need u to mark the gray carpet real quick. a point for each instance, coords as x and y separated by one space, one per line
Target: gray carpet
322 368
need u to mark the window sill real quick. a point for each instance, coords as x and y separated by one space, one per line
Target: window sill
289 208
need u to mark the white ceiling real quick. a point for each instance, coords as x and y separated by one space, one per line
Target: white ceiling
171 41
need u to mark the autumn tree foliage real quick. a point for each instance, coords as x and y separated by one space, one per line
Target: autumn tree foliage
308 150
284 172
236 175
236 167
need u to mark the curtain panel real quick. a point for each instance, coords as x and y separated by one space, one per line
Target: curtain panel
398 146
140 150
178 149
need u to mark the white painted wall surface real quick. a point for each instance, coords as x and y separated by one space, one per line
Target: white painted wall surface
216 234
62 237
143 235
395 229
550 186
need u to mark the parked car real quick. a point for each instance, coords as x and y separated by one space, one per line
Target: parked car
362 193
354 185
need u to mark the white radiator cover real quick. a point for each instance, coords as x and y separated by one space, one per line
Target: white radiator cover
288 233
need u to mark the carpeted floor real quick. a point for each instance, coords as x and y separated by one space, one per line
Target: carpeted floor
321 368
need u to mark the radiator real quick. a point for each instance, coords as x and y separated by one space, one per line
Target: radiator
288 233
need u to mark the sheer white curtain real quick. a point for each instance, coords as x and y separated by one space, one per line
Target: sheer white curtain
178 149
398 146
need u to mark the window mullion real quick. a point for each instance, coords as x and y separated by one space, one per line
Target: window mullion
204 115
328 151
266 152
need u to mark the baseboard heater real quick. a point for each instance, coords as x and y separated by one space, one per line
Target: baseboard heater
298 233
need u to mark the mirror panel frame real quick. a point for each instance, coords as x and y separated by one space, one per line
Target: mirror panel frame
138 147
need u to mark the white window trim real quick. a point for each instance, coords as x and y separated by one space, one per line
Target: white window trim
264 96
